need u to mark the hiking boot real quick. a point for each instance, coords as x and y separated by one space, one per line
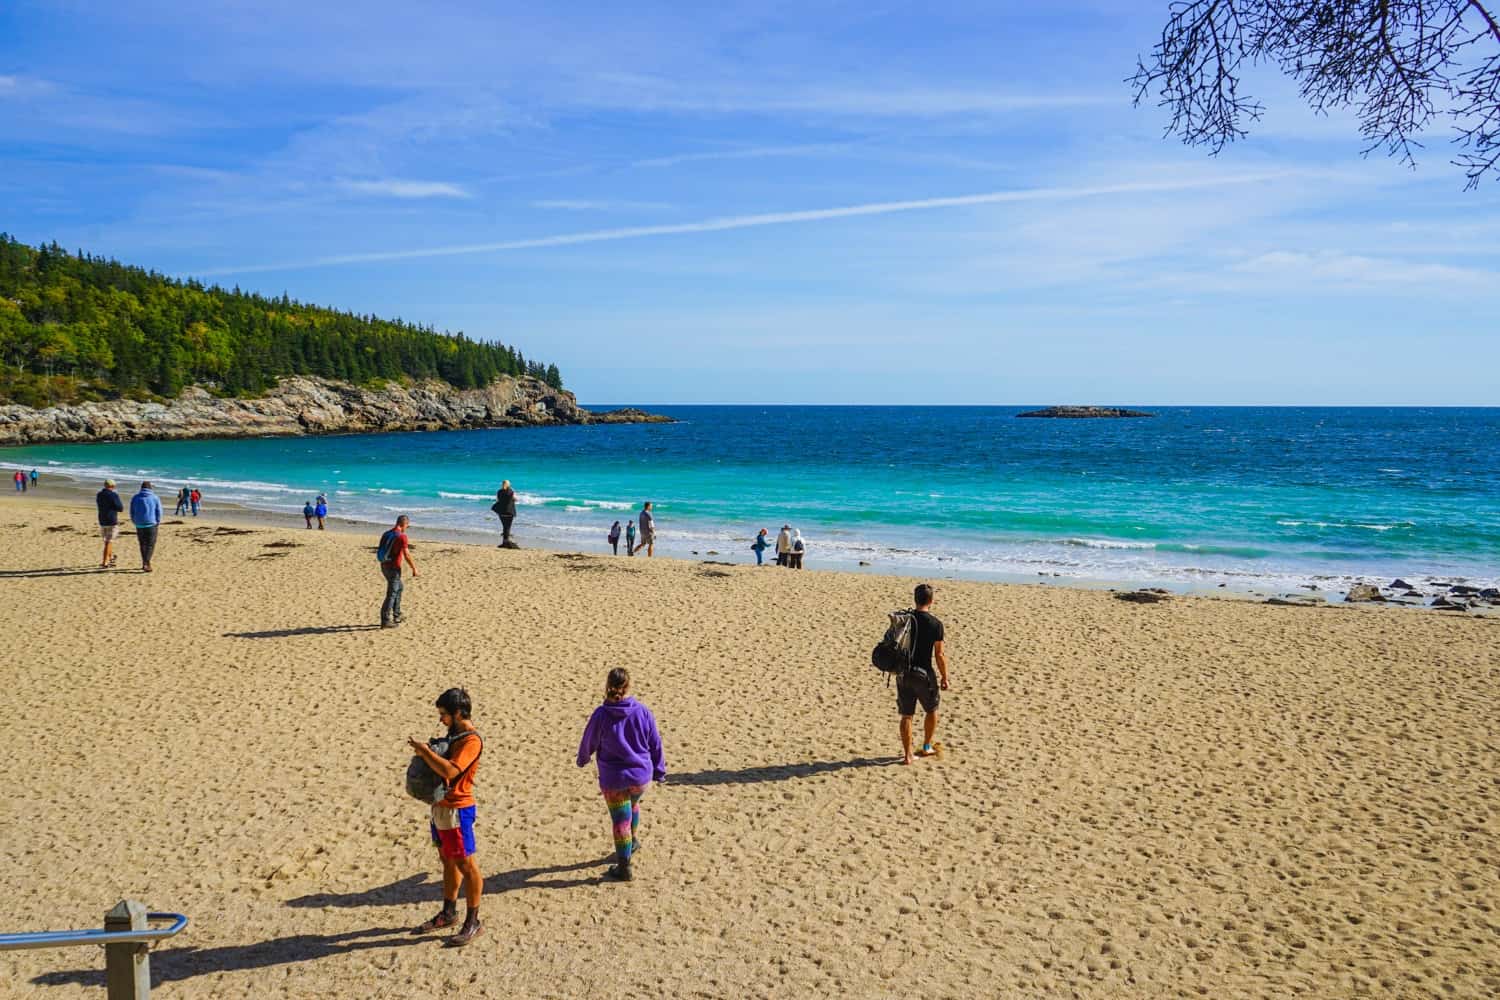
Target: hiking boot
468 932
443 919
620 873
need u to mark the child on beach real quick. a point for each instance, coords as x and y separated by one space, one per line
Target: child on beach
759 546
622 734
195 498
630 537
453 818
307 514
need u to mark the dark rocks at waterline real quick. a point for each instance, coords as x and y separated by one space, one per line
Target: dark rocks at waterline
1400 584
1297 601
1364 592
1151 595
1085 413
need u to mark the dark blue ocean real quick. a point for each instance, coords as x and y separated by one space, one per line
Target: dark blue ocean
1195 496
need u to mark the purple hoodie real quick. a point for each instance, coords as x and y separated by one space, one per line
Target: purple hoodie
623 733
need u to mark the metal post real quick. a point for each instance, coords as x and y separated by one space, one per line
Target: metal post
127 964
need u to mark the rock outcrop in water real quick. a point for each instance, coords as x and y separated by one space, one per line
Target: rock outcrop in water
1084 412
302 405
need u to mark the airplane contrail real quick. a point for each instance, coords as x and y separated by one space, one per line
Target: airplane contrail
768 219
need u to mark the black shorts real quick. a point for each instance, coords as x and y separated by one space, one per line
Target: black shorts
914 687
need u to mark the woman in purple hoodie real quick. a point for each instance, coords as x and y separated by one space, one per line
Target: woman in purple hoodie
622 733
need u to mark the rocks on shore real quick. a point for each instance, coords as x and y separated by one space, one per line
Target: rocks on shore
305 405
1149 595
1085 413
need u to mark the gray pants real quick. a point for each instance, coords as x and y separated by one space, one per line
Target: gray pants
390 611
146 539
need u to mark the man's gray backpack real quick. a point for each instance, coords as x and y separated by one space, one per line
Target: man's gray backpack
893 654
422 782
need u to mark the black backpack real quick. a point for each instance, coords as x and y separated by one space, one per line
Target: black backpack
423 783
893 654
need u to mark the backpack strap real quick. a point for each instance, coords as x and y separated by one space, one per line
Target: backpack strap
472 763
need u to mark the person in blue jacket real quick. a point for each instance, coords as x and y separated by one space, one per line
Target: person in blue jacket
321 510
145 514
759 546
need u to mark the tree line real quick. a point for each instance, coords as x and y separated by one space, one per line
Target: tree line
76 327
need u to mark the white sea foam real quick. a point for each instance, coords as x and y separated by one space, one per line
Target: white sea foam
386 492
462 496
1106 543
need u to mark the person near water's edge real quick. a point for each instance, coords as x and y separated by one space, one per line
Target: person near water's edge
145 514
784 546
452 824
799 548
110 507
396 549
33 479
614 537
505 507
630 537
195 498
182 502
320 511
648 530
308 510
922 683
622 734
759 547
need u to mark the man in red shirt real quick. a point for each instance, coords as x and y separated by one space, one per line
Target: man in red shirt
393 549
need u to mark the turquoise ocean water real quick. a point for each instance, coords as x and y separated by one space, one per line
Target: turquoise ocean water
1252 497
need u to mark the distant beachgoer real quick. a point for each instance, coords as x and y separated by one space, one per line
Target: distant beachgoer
321 510
505 507
784 546
308 511
452 825
110 507
20 479
648 530
630 537
33 479
759 547
195 498
182 502
622 734
799 547
393 549
921 683
145 514
614 537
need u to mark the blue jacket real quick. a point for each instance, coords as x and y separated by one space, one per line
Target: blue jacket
145 509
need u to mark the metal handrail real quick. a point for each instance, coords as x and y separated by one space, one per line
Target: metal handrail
61 939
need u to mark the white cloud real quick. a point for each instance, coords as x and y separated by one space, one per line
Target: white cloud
586 205
1335 268
394 188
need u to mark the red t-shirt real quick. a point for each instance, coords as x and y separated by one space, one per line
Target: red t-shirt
396 550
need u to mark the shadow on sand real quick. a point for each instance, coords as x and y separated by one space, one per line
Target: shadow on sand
776 772
169 965
418 889
286 633
25 574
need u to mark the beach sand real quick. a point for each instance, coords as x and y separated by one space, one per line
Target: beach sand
1199 798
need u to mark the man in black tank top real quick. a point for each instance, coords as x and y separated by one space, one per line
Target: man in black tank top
928 675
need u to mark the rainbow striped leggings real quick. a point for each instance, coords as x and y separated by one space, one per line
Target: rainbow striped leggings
624 816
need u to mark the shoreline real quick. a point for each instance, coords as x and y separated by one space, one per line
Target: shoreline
75 495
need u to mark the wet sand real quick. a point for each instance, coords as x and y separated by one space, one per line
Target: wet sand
1197 798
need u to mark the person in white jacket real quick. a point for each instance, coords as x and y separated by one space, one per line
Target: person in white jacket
784 546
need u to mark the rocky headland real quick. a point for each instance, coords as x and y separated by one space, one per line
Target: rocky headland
304 405
1084 412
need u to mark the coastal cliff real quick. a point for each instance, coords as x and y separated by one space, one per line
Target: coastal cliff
306 405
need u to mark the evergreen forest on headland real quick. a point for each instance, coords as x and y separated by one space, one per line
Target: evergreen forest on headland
77 328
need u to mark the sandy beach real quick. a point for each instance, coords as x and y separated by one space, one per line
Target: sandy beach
1203 797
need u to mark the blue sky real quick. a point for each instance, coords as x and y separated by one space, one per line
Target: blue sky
768 202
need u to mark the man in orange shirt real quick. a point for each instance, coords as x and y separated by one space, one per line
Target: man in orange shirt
453 817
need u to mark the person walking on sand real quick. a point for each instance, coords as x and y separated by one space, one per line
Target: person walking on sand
321 510
648 530
622 735
759 547
195 498
921 683
110 507
614 537
182 502
799 547
784 546
20 480
452 825
393 549
630 537
308 510
33 479
505 507
145 514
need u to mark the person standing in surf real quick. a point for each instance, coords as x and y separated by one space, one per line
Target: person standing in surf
505 507
648 530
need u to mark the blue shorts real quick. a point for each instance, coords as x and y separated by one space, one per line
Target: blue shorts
453 831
